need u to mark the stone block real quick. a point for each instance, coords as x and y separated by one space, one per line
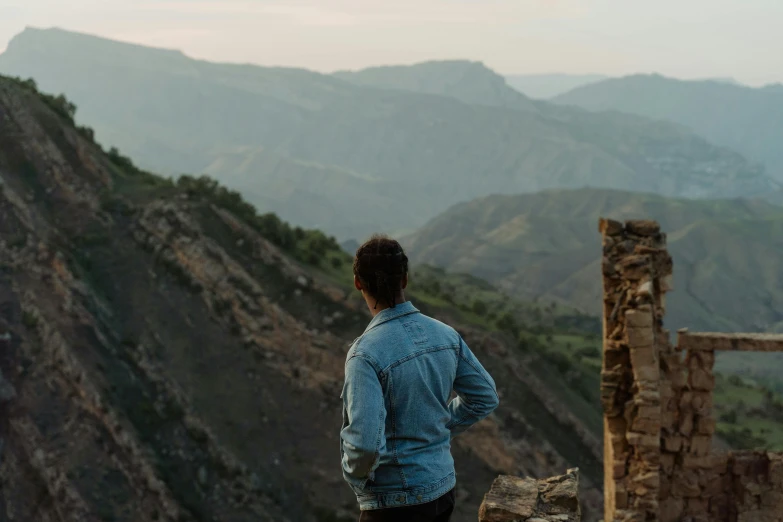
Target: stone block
642 227
749 464
647 420
757 515
701 379
610 227
712 463
668 419
701 359
619 468
720 507
700 445
705 425
641 337
514 498
643 440
697 506
713 484
672 443
634 269
772 500
646 482
641 317
686 483
666 486
621 498
671 509
667 462
701 403
775 469
686 424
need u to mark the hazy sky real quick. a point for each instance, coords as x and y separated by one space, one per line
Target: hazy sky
682 38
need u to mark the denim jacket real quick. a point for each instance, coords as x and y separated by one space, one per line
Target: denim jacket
398 421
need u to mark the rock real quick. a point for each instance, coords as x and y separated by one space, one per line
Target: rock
642 227
302 281
610 227
202 476
513 498
7 390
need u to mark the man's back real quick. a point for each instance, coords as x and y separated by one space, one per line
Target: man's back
397 418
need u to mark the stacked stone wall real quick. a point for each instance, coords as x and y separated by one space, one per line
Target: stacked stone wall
659 462
635 267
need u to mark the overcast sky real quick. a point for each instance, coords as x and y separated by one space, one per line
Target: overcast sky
682 38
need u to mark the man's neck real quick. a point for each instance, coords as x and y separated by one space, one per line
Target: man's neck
377 307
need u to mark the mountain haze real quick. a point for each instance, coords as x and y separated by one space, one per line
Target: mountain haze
748 120
321 150
545 86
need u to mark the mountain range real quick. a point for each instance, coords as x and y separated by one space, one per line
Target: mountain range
321 150
746 119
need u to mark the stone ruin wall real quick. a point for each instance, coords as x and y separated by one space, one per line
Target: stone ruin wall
659 462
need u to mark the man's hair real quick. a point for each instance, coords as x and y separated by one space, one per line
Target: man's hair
380 265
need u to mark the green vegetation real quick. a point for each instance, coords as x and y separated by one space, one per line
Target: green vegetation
59 104
310 246
750 416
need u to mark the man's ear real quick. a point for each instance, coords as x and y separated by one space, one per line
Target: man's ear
357 283
405 281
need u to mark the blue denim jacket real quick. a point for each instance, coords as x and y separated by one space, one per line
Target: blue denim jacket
398 421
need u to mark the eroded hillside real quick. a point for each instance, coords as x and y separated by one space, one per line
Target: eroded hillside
167 355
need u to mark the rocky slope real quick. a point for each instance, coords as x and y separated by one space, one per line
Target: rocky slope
163 360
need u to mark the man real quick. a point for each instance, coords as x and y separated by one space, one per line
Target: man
398 421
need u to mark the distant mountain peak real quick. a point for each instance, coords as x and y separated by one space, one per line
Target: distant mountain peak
33 41
465 80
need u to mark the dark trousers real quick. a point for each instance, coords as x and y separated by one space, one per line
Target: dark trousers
439 510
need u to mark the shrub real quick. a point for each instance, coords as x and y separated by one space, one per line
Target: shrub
561 361
588 351
479 307
29 320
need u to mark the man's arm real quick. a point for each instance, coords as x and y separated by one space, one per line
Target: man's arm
363 437
477 396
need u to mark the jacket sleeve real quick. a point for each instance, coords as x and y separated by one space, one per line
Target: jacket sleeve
477 396
362 438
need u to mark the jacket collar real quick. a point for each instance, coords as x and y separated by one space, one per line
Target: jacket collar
389 314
